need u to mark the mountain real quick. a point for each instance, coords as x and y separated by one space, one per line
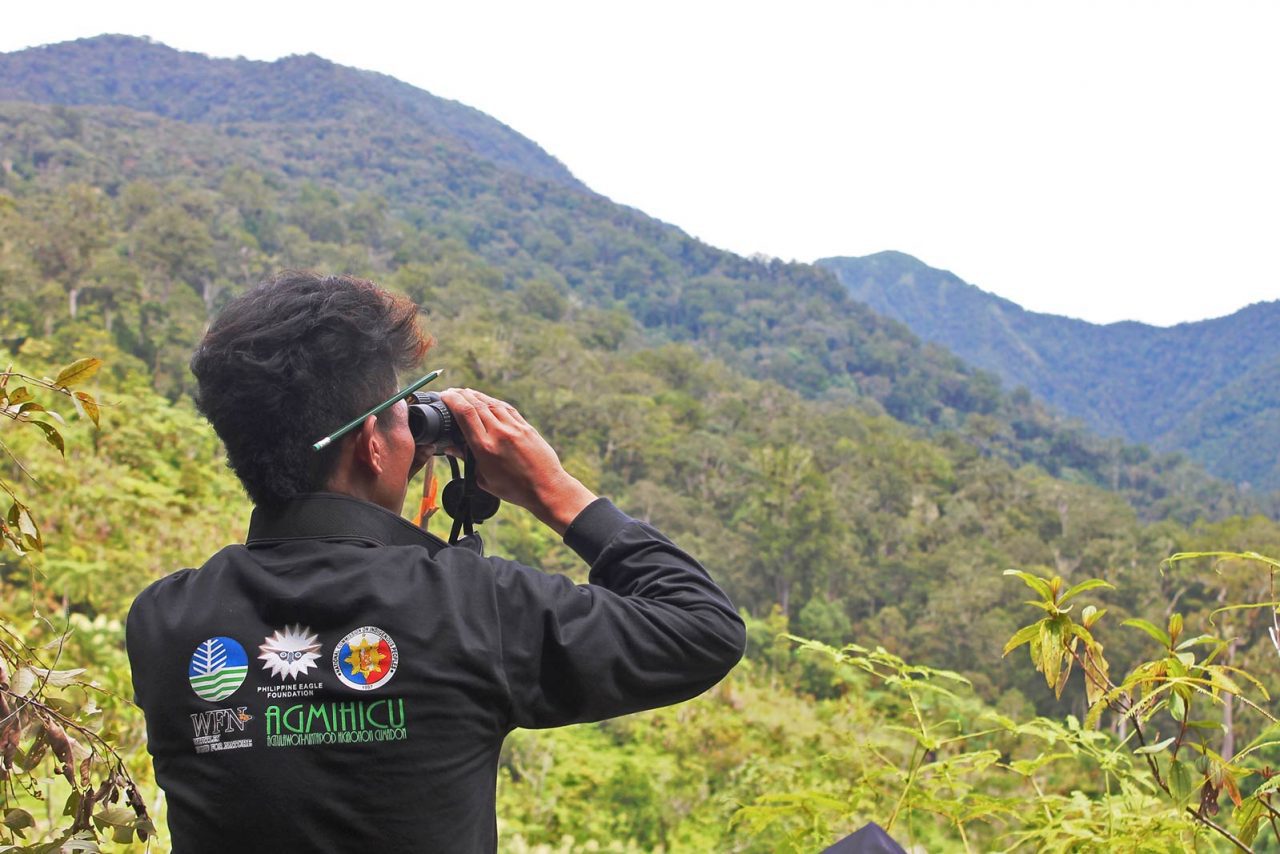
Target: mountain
1208 388
821 457
314 164
845 480
140 74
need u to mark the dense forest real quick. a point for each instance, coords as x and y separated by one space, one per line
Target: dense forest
847 483
309 148
1205 388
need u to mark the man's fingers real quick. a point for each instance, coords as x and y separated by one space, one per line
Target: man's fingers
483 410
485 421
502 410
465 411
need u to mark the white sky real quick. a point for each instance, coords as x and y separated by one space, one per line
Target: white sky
1106 160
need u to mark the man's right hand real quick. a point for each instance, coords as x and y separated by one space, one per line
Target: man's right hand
513 461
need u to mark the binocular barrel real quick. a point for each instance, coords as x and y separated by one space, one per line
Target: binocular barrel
431 422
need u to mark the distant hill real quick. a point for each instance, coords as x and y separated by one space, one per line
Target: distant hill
288 144
140 74
1210 388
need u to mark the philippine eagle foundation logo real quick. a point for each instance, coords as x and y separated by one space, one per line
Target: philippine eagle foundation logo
290 652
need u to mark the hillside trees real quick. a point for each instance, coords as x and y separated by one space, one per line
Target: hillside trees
68 229
824 515
817 505
791 322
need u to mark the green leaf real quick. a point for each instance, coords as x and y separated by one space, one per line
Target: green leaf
52 436
1150 628
1213 725
1039 585
1175 626
1190 642
1155 748
18 819
20 394
1089 584
1181 783
1248 818
1026 634
1220 679
77 372
1051 652
1094 716
1177 706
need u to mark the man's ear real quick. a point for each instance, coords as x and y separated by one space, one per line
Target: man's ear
368 446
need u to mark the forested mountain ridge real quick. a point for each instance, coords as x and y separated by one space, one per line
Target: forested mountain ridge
791 322
1207 388
742 407
143 75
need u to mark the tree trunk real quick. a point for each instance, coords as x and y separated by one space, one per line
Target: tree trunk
73 301
208 292
783 585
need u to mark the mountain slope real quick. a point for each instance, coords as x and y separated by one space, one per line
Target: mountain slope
143 75
1205 388
422 191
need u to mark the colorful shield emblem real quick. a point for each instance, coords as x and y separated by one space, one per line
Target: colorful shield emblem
366 658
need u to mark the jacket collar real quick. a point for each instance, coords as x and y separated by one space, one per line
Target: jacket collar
331 516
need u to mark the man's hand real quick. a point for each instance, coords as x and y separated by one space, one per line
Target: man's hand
514 462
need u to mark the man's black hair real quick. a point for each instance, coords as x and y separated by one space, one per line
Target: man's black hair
292 360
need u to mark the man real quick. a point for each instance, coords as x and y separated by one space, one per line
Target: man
344 681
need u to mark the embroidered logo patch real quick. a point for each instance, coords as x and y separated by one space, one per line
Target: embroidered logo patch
346 722
366 658
290 652
210 728
217 669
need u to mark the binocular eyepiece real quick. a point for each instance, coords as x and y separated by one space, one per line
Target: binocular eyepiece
431 422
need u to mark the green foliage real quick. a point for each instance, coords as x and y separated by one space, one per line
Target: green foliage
54 722
1188 685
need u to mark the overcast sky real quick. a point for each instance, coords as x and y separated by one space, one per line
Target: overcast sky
1105 160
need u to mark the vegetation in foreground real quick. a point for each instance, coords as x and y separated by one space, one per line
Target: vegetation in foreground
806 741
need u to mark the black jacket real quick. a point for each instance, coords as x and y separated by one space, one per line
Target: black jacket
343 682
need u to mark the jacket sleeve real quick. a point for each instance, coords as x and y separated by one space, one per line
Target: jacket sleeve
650 629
